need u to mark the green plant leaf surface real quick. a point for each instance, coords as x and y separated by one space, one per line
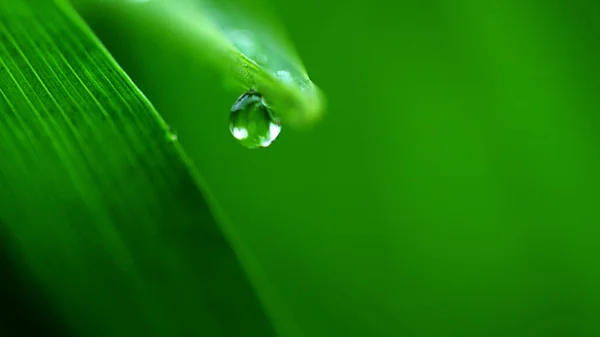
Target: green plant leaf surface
222 35
97 197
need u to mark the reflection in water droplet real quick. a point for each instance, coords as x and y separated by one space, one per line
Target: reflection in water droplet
251 121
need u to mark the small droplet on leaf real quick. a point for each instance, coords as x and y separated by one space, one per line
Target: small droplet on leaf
285 77
252 123
171 135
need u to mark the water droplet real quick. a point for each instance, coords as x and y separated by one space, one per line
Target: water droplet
171 135
285 77
252 122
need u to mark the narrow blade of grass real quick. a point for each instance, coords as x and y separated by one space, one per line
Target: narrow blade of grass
98 199
246 54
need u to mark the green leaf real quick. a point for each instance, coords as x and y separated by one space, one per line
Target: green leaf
98 200
247 53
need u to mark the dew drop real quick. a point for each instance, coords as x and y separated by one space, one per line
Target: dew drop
170 135
285 76
252 123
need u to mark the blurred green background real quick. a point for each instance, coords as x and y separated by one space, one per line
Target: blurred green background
450 190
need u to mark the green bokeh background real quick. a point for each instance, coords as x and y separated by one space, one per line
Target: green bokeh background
452 187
